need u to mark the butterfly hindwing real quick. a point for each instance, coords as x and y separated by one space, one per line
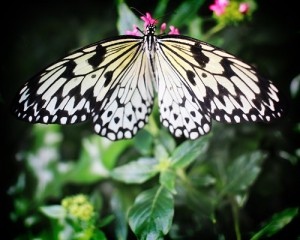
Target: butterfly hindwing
225 88
180 110
127 105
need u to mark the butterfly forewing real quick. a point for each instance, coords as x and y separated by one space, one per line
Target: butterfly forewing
109 81
225 88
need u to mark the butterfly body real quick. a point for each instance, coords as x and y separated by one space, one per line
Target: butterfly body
113 83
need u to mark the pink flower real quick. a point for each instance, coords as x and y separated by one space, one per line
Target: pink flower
163 27
148 20
244 7
219 6
135 31
174 31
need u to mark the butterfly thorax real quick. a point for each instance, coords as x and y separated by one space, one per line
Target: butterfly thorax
149 38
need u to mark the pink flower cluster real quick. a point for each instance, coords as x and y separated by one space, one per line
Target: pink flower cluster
219 7
149 20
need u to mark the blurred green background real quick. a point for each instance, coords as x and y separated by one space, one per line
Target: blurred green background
35 34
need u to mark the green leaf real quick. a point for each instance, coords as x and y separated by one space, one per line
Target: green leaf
136 172
127 18
98 235
152 213
295 86
111 151
160 152
55 211
98 156
167 179
186 11
243 171
143 142
90 167
188 151
195 28
106 220
276 223
46 135
160 9
120 202
166 139
43 162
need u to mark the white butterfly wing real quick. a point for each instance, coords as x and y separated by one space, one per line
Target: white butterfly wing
214 83
99 82
180 110
126 106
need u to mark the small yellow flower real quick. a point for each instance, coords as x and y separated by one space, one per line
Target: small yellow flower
79 207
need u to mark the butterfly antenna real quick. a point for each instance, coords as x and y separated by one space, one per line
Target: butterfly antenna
137 11
167 14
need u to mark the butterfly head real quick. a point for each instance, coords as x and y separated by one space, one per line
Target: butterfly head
150 29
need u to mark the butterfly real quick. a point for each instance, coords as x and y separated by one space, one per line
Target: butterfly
114 82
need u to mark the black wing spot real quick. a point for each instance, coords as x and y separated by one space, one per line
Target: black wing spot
108 76
257 104
116 119
228 72
96 59
69 72
198 55
191 77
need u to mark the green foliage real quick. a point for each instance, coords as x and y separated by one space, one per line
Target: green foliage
92 188
75 218
151 214
136 171
276 223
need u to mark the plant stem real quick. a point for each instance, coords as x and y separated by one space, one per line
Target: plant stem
182 175
213 31
153 128
235 214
